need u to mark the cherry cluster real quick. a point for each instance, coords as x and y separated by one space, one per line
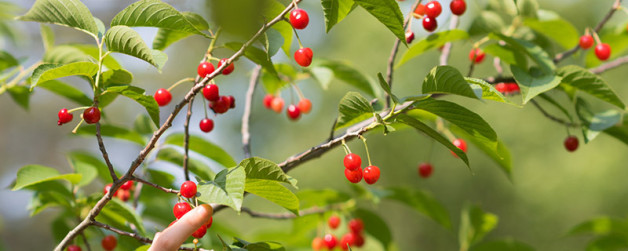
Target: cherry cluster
276 104
91 115
124 193
188 190
430 11
354 238
602 50
354 171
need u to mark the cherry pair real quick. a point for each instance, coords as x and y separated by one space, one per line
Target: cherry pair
507 88
354 172
294 111
91 115
602 50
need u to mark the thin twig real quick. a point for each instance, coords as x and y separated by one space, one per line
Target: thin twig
136 236
167 124
333 129
559 57
246 136
89 248
551 117
610 65
186 141
395 49
167 190
444 56
285 216
103 150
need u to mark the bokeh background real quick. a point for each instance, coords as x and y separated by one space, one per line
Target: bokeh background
551 190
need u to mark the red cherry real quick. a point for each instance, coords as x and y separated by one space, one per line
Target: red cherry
603 51
409 37
502 87
352 161
513 88
318 244
74 248
277 104
109 242
227 70
425 170
231 101
433 9
200 232
188 189
268 99
124 195
204 69
210 92
127 185
371 174
64 116
359 240
209 223
571 143
299 19
107 188
461 144
163 97
221 105
305 105
476 55
429 24
91 115
354 176
420 10
356 226
458 7
206 125
333 222
303 56
330 241
586 42
347 240
293 112
181 209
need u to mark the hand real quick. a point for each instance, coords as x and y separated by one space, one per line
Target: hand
172 237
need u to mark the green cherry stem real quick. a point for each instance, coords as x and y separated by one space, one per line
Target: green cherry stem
78 108
344 146
180 82
368 155
297 35
78 125
299 93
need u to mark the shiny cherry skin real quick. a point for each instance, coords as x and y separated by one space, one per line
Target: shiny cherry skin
293 112
74 248
188 189
502 87
429 24
163 97
91 115
586 41
305 105
458 7
460 143
353 176
109 242
231 101
107 188
513 88
227 70
211 92
303 56
299 19
221 105
371 174
333 222
181 209
330 241
425 170
571 143
127 185
206 125
433 9
204 69
352 161
347 240
603 51
409 37
64 116
476 55
277 104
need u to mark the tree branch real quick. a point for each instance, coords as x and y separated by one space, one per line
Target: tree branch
167 190
559 57
395 49
167 124
246 136
552 117
103 150
610 65
285 216
186 141
444 56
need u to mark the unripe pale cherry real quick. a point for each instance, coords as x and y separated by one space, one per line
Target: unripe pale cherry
277 104
305 106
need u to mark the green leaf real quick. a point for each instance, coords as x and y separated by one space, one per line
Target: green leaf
143 125
616 39
601 226
71 13
203 147
421 202
47 72
256 55
447 79
557 29
114 132
608 242
388 13
21 95
502 245
65 54
533 84
116 77
485 23
263 169
350 76
619 131
553 102
50 198
273 41
335 11
433 41
167 37
274 192
488 91
196 167
60 227
155 13
47 36
501 155
535 52
352 109
87 170
227 188
375 226
474 225
585 81
7 61
433 134
34 174
528 8
67 91
467 120
273 84
82 159
322 75
92 51
125 40
508 54
321 198
386 87
594 123
138 94
119 210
